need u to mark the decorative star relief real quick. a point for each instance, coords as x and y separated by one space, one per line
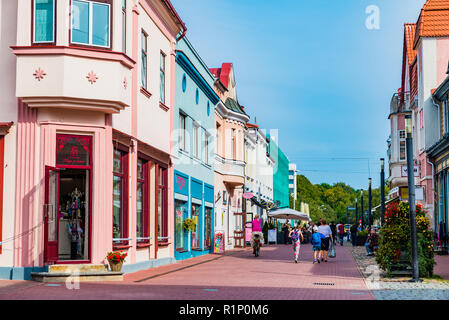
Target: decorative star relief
39 74
125 83
92 77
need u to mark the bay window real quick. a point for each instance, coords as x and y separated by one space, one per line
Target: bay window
44 21
91 23
120 196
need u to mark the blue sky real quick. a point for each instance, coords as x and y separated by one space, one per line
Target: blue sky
312 70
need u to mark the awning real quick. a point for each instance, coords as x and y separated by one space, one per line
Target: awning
287 213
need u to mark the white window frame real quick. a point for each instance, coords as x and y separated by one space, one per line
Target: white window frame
91 3
182 131
206 147
195 139
162 70
34 23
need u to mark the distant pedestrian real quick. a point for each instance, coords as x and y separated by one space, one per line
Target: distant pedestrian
341 233
326 231
285 230
371 244
315 240
353 231
296 236
334 231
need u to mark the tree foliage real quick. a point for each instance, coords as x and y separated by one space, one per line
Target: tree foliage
330 201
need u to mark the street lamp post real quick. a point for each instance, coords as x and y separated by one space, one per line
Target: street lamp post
361 207
411 198
382 190
356 213
370 214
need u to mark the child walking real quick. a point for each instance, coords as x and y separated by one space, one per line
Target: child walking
297 237
315 240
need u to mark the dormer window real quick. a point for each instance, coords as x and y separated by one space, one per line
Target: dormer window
91 23
44 21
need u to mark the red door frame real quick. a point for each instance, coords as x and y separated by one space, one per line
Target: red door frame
89 168
49 255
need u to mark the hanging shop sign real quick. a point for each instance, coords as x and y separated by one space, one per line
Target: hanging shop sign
248 195
73 150
404 172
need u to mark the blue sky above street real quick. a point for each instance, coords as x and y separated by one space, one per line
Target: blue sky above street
312 70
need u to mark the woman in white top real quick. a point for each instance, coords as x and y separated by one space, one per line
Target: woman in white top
326 231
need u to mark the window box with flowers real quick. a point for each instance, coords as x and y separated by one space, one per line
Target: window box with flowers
116 259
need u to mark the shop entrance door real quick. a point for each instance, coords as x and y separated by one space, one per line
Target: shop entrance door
239 231
51 215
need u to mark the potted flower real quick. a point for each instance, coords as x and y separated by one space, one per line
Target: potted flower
116 259
189 224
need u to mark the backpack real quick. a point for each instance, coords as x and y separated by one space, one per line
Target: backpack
316 239
295 235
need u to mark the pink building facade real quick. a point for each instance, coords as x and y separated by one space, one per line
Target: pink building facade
424 68
85 133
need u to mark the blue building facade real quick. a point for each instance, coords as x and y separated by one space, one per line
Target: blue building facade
195 102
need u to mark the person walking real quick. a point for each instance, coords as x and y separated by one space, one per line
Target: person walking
334 231
315 240
326 231
286 231
341 232
353 231
257 229
296 236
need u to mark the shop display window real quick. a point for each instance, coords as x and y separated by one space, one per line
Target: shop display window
142 212
162 205
207 227
195 236
180 232
120 195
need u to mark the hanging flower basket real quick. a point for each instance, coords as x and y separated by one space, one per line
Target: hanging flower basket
189 224
116 259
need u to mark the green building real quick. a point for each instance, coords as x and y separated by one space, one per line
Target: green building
280 174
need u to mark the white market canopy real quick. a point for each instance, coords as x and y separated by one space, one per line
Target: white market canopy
287 213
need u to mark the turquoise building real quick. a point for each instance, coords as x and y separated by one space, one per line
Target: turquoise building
280 174
195 102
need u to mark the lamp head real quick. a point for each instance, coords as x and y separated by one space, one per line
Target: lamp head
382 163
408 126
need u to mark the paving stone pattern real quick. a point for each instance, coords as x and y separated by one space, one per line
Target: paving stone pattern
399 288
236 276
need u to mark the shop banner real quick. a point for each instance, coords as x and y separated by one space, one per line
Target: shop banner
248 231
219 239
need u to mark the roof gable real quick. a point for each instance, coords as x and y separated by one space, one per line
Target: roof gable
433 20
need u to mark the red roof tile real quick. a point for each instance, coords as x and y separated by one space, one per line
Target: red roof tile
433 20
222 73
409 37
